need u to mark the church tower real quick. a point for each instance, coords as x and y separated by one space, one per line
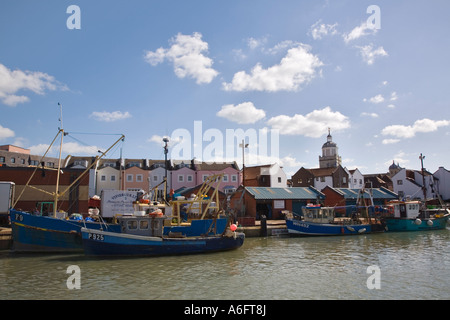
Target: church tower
330 157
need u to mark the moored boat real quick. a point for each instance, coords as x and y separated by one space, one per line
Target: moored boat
321 221
53 231
143 236
412 216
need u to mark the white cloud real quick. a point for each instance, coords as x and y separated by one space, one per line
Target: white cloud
186 54
375 99
109 116
298 67
390 141
243 113
13 81
358 32
319 30
6 133
313 124
394 96
423 125
255 43
367 114
369 54
68 148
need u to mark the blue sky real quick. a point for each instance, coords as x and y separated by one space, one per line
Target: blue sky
149 69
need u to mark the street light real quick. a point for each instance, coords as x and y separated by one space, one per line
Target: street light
166 150
243 145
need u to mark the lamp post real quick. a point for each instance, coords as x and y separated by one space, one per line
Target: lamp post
243 145
166 150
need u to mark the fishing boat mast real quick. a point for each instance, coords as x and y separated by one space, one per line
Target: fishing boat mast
424 187
56 195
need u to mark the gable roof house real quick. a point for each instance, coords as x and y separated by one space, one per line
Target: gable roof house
319 178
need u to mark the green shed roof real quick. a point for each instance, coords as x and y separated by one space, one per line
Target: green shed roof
296 193
377 193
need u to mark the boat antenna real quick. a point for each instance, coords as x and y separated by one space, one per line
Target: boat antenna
60 115
424 187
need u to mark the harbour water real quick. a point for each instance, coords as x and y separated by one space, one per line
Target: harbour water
414 265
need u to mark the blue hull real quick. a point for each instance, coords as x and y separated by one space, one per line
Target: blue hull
399 224
99 243
305 228
47 234
199 227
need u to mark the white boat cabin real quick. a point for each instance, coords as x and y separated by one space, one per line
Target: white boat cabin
318 214
405 209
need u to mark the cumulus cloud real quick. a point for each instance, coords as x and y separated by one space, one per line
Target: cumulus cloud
243 113
68 148
109 116
187 55
318 30
419 126
313 124
375 99
369 54
6 133
362 30
298 67
368 114
13 81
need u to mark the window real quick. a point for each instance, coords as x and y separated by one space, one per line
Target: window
190 178
205 176
322 179
132 225
139 178
13 160
155 178
143 224
2 159
234 178
103 178
113 178
299 181
225 178
399 182
129 178
279 179
22 161
180 178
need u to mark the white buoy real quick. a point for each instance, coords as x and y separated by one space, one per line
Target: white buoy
350 228
418 221
362 230
430 223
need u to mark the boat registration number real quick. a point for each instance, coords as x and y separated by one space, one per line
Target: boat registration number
96 237
301 224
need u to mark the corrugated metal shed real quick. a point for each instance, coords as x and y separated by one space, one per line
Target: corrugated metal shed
377 193
297 193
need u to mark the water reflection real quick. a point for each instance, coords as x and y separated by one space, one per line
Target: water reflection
413 266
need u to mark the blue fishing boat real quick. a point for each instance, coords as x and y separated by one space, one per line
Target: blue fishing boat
412 216
32 233
54 231
321 221
144 236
